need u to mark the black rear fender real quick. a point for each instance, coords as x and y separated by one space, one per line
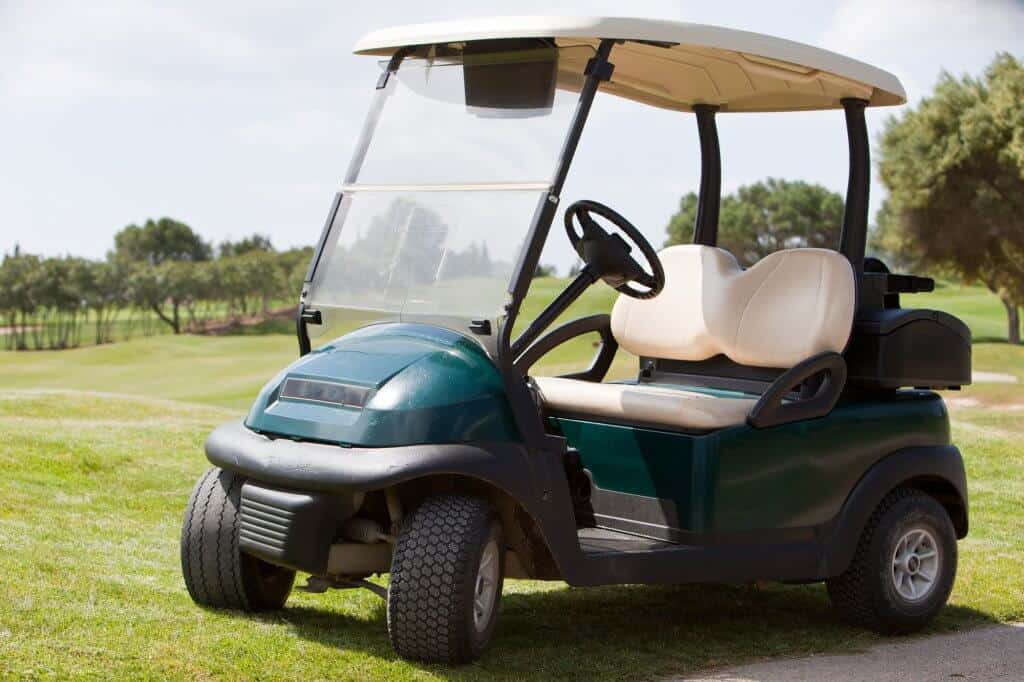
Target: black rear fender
937 470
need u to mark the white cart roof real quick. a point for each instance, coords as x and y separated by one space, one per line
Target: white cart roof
736 70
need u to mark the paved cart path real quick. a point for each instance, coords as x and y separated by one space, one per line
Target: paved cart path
988 653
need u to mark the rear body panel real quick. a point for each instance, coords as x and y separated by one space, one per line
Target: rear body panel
682 487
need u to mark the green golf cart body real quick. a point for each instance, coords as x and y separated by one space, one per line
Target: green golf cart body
768 433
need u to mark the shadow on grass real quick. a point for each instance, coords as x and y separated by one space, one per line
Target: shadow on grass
632 632
990 339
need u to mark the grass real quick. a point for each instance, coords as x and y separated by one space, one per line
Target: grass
975 305
100 447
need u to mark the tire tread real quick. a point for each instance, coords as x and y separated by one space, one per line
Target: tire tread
212 565
432 562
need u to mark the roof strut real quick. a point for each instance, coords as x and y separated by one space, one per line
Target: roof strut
855 218
705 229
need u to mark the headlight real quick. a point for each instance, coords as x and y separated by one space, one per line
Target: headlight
326 392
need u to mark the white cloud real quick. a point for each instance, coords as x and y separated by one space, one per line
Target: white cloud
239 117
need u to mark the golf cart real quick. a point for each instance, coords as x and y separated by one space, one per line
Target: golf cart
781 423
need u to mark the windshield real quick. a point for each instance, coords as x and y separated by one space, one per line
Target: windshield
454 158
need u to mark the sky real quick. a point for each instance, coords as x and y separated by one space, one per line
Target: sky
240 117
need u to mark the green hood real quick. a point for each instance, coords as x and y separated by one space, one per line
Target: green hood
388 384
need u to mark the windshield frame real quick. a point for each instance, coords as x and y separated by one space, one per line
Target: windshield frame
532 240
498 345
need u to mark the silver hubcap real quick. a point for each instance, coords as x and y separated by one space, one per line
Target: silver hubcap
915 564
486 591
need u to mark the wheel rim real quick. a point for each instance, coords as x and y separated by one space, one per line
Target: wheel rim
916 561
486 590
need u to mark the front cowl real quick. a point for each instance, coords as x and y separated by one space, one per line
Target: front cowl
388 385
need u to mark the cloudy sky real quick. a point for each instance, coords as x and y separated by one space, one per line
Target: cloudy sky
239 117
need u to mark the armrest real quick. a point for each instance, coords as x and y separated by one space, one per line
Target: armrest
601 324
817 398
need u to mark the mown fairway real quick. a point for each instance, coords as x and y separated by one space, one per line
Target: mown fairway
100 447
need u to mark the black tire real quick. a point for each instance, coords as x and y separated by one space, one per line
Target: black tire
867 593
216 573
434 580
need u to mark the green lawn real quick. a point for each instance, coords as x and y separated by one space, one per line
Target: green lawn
975 305
100 447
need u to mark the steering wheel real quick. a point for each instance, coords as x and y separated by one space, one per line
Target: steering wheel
608 255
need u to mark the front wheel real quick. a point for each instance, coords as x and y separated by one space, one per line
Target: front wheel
904 567
446 579
216 572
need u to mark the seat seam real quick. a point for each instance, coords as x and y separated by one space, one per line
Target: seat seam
743 315
819 309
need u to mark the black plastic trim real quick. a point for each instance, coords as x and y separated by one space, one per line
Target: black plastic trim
524 409
321 467
896 347
854 235
705 229
715 372
826 370
301 332
570 330
288 528
942 464
549 314
536 480
658 518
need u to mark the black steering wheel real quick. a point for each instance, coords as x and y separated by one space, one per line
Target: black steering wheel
608 255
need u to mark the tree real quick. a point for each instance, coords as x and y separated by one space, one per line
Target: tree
104 291
165 289
954 168
257 242
545 270
160 241
18 275
766 217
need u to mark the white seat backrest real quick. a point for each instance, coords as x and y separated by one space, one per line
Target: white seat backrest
785 308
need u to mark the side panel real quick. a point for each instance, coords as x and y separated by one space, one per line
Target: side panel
742 479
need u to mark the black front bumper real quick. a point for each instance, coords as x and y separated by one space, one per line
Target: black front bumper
296 493
300 465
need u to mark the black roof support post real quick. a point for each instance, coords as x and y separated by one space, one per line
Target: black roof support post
855 219
598 70
705 229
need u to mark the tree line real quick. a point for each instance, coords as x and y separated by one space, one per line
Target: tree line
160 276
953 166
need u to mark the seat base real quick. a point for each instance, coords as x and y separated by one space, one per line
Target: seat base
644 404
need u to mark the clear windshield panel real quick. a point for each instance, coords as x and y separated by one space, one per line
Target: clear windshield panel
478 119
454 159
443 256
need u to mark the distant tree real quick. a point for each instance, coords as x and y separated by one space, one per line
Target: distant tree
159 241
954 168
165 289
545 270
294 263
18 300
104 291
256 242
766 217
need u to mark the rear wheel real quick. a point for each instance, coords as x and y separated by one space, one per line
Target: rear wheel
216 572
446 580
904 567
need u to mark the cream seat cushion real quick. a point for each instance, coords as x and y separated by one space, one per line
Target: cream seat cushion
644 404
785 308
789 306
